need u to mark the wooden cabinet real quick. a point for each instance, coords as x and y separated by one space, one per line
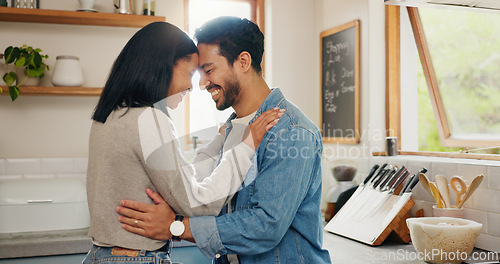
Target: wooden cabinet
70 18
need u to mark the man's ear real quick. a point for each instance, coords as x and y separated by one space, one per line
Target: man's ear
244 61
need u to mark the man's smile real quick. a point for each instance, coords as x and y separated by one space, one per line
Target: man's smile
214 91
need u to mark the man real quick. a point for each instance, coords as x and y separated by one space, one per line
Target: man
275 217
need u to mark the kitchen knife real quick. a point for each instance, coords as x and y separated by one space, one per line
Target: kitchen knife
372 172
394 178
408 182
399 181
414 180
379 173
381 178
386 180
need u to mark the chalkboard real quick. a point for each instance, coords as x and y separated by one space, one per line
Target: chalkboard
340 77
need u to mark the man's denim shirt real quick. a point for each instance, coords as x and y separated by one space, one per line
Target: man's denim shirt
276 215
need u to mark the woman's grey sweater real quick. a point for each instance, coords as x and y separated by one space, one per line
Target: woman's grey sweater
138 149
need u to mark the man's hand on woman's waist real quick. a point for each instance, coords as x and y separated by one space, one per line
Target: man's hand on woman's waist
150 220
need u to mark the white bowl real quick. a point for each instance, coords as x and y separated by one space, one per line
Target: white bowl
443 239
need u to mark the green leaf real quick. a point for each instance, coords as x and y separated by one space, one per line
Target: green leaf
36 72
14 92
11 54
9 78
37 59
20 62
30 60
38 50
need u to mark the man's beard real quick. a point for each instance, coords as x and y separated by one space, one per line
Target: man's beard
230 94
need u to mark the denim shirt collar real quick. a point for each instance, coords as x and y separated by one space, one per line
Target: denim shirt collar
271 101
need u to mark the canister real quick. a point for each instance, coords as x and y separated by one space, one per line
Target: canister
391 146
67 71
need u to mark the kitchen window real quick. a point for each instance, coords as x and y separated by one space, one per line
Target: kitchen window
201 117
457 79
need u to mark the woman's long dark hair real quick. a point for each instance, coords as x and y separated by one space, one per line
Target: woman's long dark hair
142 73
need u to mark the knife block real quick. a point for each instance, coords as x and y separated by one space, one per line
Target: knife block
364 220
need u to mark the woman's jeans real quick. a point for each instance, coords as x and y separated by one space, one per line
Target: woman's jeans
106 255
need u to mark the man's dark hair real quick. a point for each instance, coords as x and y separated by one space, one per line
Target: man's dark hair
233 35
142 73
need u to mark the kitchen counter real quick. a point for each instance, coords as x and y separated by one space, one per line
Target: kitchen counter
14 245
342 250
49 243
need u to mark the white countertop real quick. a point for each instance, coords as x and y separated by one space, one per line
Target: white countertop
344 250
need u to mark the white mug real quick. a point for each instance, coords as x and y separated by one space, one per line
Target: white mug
86 4
138 7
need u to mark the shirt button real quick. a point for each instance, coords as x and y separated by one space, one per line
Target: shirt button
217 255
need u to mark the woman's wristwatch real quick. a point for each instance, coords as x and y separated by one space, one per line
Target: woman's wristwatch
177 228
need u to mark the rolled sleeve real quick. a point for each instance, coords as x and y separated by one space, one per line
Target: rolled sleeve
206 235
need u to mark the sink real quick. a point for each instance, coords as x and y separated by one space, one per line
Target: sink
32 205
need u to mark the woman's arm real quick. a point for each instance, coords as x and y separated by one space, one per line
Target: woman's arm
176 179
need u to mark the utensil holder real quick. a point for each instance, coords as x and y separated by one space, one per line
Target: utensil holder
384 220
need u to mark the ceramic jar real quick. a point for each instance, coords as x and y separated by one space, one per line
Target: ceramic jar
67 71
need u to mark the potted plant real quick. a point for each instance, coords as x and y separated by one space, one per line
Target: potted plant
27 58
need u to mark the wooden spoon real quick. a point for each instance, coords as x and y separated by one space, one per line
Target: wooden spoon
436 194
442 185
459 187
425 182
472 187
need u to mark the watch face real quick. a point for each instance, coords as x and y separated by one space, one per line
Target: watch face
177 228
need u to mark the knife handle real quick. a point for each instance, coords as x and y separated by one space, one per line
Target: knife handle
374 168
380 172
396 176
379 180
388 178
399 181
416 180
405 187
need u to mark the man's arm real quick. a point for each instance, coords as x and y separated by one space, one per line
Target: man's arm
285 176
153 221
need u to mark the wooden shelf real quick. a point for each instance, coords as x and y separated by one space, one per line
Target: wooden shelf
75 18
62 91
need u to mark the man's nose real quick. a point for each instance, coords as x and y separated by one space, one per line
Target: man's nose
204 80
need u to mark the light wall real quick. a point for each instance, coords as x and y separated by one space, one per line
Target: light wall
48 126
332 13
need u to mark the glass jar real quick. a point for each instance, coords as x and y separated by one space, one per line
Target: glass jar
67 71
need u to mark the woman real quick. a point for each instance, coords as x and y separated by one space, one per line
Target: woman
133 146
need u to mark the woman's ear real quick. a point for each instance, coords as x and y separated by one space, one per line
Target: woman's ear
244 61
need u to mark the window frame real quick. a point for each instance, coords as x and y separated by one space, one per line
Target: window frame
393 87
257 17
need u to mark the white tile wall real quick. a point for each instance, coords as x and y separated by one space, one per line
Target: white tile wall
493 177
478 216
487 242
39 176
486 200
445 168
468 172
10 177
2 167
64 165
494 226
80 165
23 166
